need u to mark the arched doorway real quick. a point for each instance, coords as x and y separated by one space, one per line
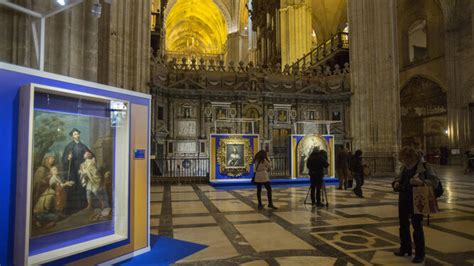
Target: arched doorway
424 118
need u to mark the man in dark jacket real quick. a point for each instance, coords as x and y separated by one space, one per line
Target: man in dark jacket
342 167
73 157
316 164
357 169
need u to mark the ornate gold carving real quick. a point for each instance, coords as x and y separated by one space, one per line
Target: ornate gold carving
234 156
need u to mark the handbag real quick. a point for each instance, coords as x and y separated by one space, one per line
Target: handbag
253 177
366 170
424 200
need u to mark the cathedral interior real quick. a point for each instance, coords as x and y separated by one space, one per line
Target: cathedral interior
383 74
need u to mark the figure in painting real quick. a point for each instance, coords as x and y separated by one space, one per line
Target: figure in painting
282 116
234 158
72 159
42 176
92 181
44 211
61 197
221 114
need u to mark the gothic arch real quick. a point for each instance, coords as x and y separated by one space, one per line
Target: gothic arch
422 92
428 77
423 105
195 27
447 8
222 7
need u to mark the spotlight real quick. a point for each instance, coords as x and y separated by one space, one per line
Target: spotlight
61 2
96 9
446 132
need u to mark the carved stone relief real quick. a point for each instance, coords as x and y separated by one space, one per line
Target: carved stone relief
186 128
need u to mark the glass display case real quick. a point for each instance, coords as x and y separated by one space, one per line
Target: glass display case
73 173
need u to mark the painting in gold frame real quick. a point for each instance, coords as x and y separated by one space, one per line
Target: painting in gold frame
234 156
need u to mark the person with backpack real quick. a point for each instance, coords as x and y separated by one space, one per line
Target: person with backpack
263 166
414 172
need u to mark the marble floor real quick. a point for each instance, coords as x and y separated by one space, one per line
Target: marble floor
351 231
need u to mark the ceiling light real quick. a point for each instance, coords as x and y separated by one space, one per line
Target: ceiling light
61 2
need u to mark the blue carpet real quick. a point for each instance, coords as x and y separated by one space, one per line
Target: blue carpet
164 251
277 182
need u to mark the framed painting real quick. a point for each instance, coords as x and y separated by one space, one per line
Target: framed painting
234 156
75 175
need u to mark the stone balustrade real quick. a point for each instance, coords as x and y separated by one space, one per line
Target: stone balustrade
215 74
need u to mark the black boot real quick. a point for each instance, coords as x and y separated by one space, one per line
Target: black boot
349 183
418 259
402 253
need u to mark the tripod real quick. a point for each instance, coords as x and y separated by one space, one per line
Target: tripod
324 196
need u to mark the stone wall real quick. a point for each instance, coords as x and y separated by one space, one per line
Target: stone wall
113 49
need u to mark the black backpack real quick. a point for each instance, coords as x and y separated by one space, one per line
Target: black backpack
438 190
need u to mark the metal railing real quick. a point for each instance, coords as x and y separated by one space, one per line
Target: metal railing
339 41
189 170
181 170
280 167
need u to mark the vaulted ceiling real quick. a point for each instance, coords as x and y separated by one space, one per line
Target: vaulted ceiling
328 17
195 27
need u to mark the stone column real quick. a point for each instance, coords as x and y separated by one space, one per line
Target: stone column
295 30
375 104
91 45
237 47
460 79
129 45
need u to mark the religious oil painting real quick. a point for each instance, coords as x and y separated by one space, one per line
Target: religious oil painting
72 176
282 116
305 147
234 156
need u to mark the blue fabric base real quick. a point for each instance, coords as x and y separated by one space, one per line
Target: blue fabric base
283 182
164 251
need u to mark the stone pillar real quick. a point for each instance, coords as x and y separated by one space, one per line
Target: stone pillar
460 79
237 47
129 45
295 30
252 39
375 104
91 46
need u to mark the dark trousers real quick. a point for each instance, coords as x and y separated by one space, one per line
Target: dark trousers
359 183
269 193
405 213
316 184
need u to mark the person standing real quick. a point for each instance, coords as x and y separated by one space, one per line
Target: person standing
357 169
342 167
73 157
414 172
316 164
262 168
